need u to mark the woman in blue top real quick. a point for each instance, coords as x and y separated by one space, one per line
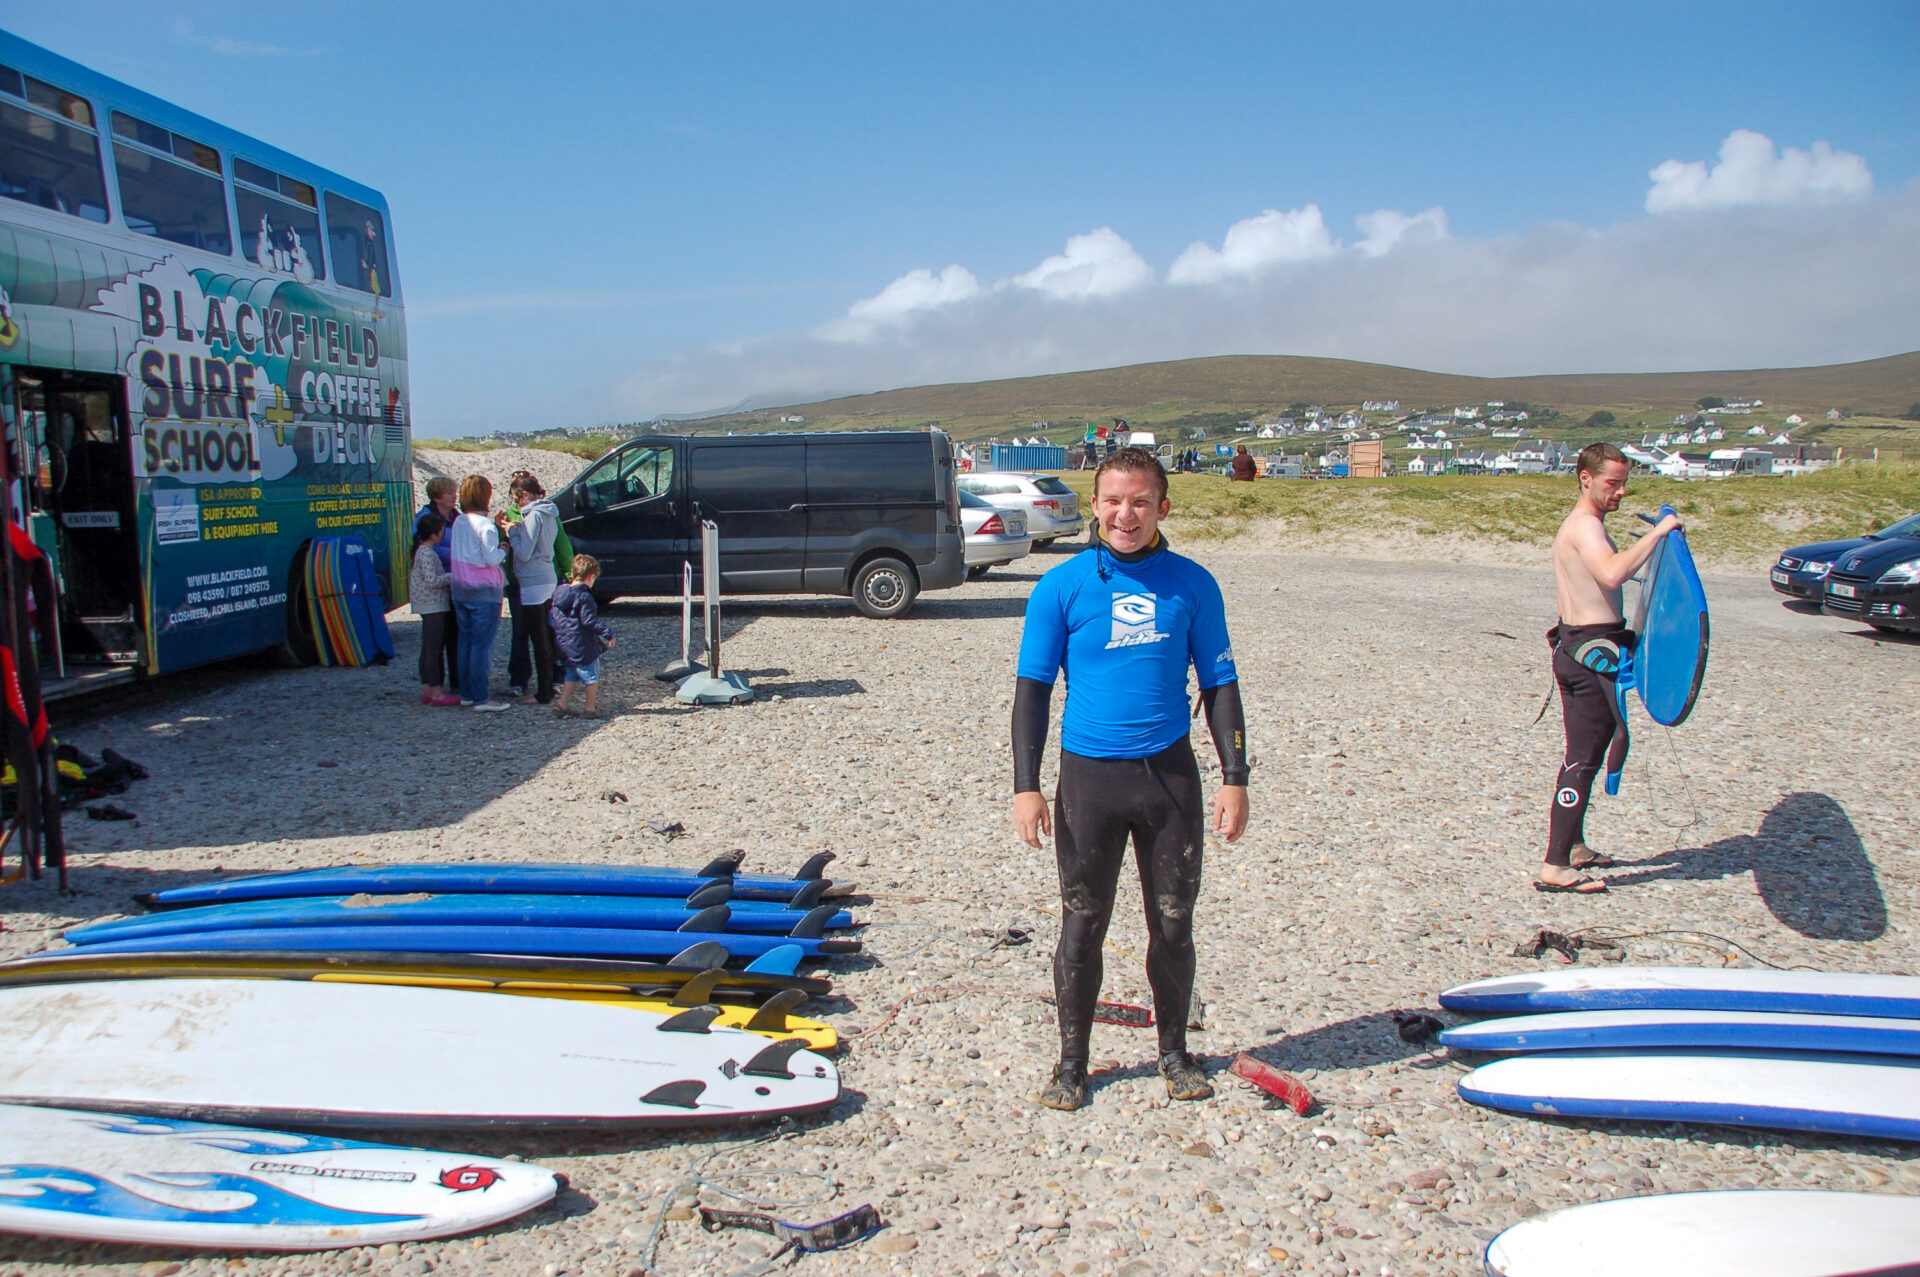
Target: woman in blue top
1124 621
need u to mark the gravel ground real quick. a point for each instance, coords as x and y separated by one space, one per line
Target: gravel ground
1399 800
497 464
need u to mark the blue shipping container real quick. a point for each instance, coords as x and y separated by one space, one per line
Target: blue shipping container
1028 456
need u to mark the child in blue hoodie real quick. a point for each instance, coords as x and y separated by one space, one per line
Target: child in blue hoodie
579 633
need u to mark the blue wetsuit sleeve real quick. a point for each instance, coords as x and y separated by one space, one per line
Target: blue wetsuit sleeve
1207 641
1043 641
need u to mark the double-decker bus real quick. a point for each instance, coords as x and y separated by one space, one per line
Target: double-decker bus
203 366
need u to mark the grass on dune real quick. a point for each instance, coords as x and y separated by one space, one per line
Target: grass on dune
1732 520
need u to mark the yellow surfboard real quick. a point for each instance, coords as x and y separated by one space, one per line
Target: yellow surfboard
773 1022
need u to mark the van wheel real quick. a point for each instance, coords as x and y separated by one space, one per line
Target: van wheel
299 647
884 588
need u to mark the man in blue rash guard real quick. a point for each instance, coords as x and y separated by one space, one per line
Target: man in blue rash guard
1124 620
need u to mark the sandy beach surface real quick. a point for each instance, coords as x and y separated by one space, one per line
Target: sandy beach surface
1399 806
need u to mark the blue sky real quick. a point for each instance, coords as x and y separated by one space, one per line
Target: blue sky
617 210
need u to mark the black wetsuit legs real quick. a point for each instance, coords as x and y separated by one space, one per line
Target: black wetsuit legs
1587 708
1101 803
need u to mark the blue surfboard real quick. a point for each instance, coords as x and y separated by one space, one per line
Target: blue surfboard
1670 659
803 888
1690 989
1875 1096
1760 1030
638 912
366 603
550 942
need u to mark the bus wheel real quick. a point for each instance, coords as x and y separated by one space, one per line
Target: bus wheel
299 647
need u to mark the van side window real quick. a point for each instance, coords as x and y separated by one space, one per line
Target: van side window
632 475
869 472
761 477
49 157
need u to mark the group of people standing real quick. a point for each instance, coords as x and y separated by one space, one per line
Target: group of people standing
466 559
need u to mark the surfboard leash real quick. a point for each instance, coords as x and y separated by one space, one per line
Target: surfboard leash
698 1177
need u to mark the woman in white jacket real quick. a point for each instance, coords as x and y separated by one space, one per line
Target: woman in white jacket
532 539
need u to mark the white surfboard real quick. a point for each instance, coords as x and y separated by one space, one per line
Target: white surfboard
303 1054
1779 1233
114 1178
1743 1030
1864 1095
1690 989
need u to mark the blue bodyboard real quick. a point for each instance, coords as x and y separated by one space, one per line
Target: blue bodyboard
1670 658
547 942
644 912
366 603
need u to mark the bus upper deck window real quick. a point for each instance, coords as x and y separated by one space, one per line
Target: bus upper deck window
278 235
357 242
184 203
49 154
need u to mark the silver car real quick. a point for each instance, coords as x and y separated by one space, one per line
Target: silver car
1051 507
994 536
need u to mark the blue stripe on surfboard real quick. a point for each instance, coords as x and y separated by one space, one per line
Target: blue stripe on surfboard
1615 1030
558 942
637 912
606 880
1790 1001
1760 1117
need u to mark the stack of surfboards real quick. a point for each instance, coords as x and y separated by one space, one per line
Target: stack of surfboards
1785 1050
438 996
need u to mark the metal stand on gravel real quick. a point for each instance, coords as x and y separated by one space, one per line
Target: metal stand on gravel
674 671
712 687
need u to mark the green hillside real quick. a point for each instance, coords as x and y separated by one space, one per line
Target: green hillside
1216 393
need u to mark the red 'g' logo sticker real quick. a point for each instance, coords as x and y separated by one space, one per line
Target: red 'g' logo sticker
464 1179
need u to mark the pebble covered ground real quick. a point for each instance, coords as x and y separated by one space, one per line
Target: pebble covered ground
1399 803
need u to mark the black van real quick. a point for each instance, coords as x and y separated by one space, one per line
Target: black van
873 514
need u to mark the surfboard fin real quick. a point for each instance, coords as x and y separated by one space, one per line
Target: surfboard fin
713 918
708 955
782 959
717 892
814 925
680 1095
693 1020
809 894
772 1016
774 1061
815 863
697 991
725 865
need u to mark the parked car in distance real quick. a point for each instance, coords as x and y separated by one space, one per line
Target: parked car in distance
873 514
994 536
1879 583
1802 571
1051 507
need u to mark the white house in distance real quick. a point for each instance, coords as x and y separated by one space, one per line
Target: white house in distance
1380 405
1795 419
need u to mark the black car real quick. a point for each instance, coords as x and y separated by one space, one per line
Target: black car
1802 571
1879 583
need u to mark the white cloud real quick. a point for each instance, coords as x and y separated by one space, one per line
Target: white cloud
917 290
1730 288
1255 243
1387 228
1097 264
1750 171
228 46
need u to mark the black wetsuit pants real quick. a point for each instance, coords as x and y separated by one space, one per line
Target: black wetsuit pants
1102 802
1586 705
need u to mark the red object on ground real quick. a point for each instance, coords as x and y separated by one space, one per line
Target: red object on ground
1122 1013
1285 1087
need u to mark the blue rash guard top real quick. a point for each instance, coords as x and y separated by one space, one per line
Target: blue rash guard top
1125 634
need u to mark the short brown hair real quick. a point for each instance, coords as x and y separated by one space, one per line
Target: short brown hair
439 486
1137 460
525 481
1595 455
476 494
585 567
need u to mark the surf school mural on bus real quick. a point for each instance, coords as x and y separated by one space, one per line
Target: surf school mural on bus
262 411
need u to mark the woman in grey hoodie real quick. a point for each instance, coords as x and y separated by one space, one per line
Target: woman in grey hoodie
532 540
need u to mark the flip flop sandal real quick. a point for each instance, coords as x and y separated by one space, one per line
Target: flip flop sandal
1599 861
108 811
1583 887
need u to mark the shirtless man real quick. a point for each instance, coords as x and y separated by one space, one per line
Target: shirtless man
1588 572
